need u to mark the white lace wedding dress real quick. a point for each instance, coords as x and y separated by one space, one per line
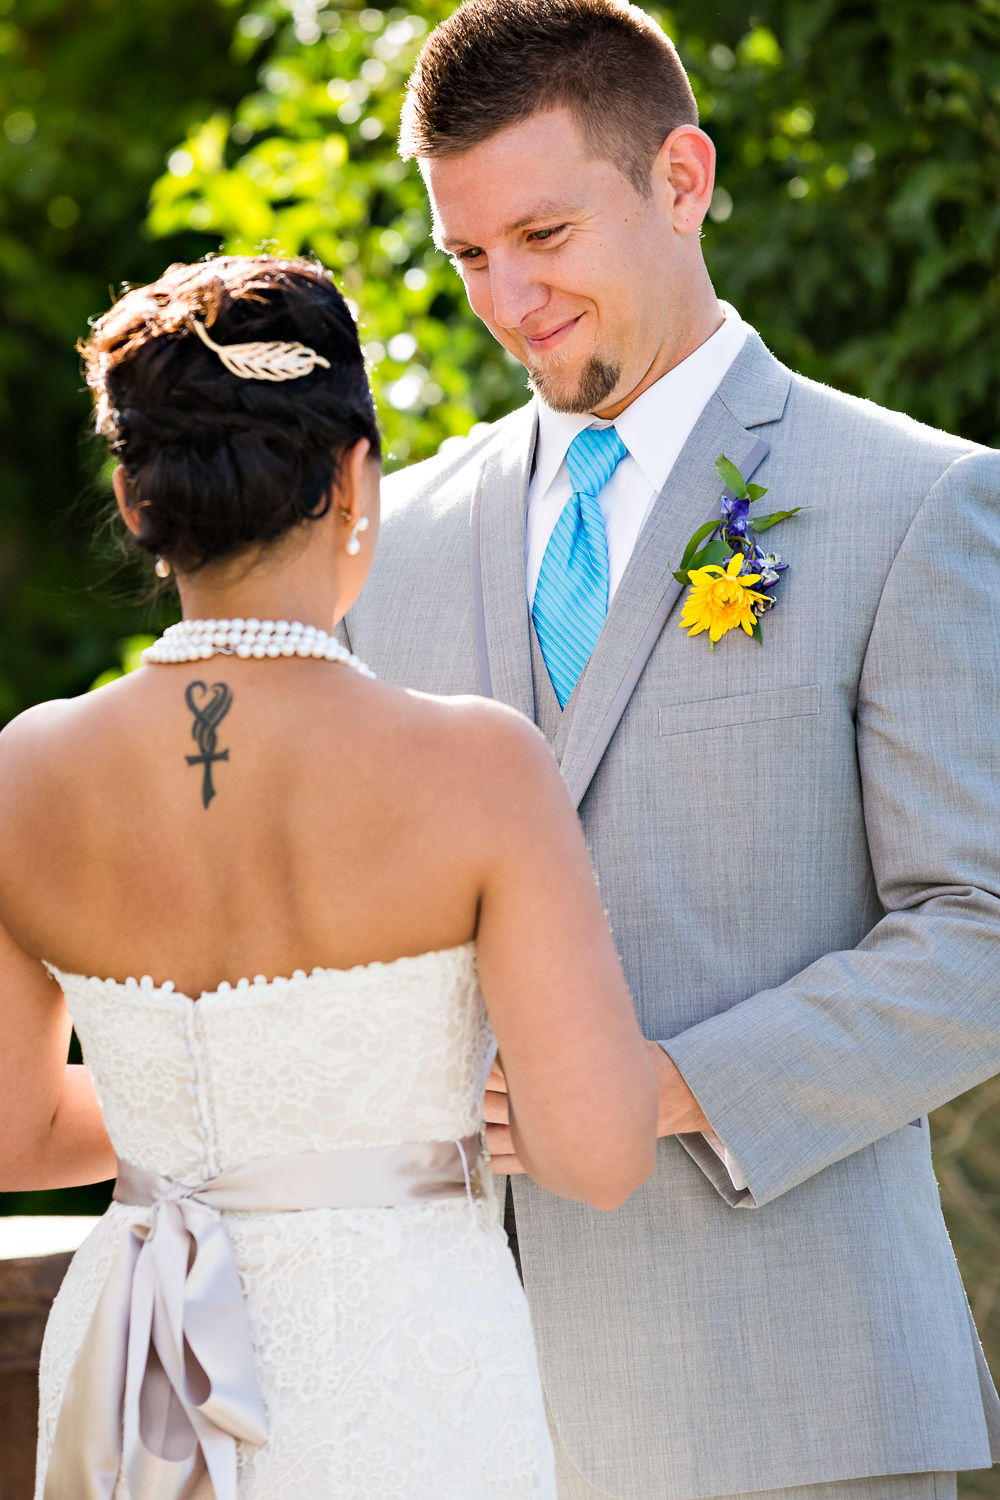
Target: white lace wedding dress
393 1346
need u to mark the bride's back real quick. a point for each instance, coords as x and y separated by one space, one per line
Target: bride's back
348 823
214 817
202 818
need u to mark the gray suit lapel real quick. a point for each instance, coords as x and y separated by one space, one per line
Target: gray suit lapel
753 392
500 606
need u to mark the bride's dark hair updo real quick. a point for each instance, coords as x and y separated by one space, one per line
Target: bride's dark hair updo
217 462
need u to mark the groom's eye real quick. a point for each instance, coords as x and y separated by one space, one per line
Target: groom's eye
546 234
467 257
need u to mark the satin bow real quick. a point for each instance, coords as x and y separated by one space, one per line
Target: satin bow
172 1395
165 1382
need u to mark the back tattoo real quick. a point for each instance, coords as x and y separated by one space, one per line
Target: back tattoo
209 709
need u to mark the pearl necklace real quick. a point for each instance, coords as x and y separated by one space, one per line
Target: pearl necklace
197 640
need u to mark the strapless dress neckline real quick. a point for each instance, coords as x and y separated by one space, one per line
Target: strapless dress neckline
147 987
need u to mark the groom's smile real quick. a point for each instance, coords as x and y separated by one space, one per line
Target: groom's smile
585 280
546 342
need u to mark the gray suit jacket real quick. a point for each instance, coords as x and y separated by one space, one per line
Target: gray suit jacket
797 845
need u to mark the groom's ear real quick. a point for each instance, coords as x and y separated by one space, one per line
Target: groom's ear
128 508
684 170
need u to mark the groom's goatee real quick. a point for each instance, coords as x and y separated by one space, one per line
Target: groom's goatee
596 383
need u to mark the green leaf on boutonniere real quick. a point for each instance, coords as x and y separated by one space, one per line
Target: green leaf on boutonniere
716 552
730 475
763 523
733 480
694 544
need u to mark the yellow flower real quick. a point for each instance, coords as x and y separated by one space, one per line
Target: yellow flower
720 599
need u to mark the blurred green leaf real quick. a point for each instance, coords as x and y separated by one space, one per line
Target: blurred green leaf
129 657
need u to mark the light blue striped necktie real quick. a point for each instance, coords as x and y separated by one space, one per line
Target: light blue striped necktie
571 598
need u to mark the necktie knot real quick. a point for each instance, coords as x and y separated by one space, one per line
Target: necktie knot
592 458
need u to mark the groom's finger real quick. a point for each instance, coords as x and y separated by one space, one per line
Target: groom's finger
496 1082
505 1166
505 1163
496 1108
499 1141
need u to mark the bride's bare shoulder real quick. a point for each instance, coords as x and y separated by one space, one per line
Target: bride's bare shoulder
61 726
34 731
483 722
57 754
36 764
485 749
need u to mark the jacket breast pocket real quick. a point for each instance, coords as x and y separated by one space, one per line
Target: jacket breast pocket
746 708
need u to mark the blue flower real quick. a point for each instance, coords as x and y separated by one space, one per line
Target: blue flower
735 520
769 565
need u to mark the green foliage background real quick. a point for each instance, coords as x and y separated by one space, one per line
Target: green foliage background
856 224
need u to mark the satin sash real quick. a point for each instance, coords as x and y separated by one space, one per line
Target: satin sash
165 1379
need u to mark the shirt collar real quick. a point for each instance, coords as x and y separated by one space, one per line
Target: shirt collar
656 425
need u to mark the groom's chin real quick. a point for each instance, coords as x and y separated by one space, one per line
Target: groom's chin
563 390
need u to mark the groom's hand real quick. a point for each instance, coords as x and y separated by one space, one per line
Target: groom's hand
496 1112
680 1112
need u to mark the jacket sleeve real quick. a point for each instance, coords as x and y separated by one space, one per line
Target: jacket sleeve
865 1041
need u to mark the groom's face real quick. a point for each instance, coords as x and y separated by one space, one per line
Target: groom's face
580 276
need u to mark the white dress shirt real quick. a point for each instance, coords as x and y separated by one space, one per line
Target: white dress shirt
654 429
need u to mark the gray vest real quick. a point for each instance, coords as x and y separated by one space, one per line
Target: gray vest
552 720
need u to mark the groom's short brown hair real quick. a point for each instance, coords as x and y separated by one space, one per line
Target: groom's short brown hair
493 63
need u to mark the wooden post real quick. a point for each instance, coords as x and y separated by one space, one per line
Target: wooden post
34 1255
27 1288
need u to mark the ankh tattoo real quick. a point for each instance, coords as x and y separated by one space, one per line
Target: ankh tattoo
208 715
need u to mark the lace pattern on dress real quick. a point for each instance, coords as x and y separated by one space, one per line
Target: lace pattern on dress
394 1347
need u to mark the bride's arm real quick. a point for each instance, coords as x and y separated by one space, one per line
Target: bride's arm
583 1097
51 1130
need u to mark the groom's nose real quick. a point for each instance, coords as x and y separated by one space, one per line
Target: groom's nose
515 291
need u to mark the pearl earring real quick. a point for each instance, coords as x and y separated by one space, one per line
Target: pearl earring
353 545
161 568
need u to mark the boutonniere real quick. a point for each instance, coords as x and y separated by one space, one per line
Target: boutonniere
733 580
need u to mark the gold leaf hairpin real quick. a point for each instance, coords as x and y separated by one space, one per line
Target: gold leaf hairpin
263 361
